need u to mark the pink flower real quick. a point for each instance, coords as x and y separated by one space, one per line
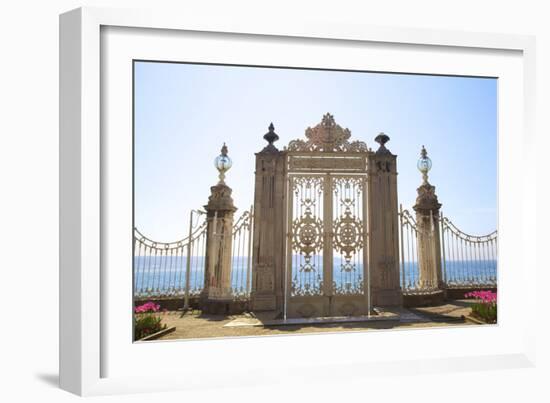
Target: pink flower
487 297
147 307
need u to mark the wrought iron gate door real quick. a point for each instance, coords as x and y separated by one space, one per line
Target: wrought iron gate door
327 273
326 230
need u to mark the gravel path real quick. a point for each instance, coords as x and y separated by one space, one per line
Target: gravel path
195 325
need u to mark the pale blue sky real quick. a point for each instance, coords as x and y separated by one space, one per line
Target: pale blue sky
184 113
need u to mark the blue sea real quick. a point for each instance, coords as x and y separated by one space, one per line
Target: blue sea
166 275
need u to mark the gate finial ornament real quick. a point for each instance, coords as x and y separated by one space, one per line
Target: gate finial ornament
270 137
327 136
382 139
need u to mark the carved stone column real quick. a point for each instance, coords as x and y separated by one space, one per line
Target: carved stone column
428 240
383 235
268 250
216 296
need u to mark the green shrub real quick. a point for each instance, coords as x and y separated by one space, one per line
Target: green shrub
485 307
486 312
146 321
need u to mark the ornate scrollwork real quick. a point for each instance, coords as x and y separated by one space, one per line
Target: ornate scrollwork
348 287
327 136
307 236
308 288
347 229
345 183
309 183
348 236
307 229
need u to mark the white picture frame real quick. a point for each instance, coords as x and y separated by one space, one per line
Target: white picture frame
84 299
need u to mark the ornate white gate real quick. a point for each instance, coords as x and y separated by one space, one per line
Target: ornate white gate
325 225
326 253
326 268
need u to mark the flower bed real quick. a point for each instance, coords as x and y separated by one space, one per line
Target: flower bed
146 320
485 307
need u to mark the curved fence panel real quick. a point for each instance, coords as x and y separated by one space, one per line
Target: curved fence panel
468 260
160 268
176 269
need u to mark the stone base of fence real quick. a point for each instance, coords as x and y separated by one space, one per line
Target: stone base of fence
227 307
232 307
238 306
424 299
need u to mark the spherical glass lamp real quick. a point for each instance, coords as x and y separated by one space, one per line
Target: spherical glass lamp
424 164
223 163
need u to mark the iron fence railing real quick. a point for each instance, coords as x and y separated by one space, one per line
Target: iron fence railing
160 268
410 277
176 269
467 261
241 256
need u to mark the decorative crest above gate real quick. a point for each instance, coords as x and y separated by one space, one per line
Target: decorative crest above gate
327 136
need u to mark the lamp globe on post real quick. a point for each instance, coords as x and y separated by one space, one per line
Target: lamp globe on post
223 163
424 165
